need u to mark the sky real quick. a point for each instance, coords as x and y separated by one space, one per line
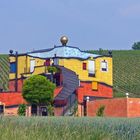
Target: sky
27 25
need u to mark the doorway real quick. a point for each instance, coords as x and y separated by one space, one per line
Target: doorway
1 109
44 111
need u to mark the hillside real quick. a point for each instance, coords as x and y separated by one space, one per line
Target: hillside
126 67
126 72
4 71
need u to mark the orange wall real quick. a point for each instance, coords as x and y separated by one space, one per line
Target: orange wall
133 107
118 107
11 111
85 89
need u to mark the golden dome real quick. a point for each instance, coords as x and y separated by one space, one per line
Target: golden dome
64 40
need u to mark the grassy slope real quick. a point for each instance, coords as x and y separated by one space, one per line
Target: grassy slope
4 71
68 128
126 72
126 67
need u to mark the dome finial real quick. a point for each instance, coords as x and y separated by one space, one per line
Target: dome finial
64 40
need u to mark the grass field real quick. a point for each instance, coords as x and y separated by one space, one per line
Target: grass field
126 72
70 128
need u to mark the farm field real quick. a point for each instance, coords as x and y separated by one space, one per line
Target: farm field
126 72
4 71
69 128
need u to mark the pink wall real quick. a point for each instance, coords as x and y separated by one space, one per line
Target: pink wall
117 107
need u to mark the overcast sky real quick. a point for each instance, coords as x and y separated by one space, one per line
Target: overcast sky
90 24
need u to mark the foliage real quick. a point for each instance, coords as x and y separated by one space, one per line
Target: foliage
100 111
50 109
38 90
22 110
69 128
136 46
52 69
100 51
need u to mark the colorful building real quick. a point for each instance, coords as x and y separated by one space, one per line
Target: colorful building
82 76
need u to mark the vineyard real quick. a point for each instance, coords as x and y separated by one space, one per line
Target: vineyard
4 71
126 72
126 67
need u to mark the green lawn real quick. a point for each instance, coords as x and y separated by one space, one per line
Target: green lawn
68 128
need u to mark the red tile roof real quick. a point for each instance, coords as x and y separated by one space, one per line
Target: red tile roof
12 98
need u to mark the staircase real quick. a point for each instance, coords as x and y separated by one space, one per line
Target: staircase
67 98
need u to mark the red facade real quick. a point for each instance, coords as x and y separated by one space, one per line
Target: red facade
86 90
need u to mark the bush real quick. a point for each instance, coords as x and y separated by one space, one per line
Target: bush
22 110
52 69
100 111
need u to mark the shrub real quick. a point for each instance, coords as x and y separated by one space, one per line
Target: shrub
52 69
100 111
22 110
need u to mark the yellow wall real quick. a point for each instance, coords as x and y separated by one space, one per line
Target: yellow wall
100 76
24 65
72 64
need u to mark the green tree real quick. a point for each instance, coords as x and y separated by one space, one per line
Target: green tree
22 110
38 90
136 46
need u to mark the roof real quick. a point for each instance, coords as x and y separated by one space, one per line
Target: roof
11 99
63 52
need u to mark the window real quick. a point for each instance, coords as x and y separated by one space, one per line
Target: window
94 85
104 66
91 68
1 109
32 65
13 67
47 63
84 66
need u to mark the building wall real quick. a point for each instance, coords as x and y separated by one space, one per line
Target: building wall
77 66
11 111
133 107
118 107
85 89
12 85
24 65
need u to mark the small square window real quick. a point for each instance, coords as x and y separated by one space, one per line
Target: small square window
104 66
84 66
